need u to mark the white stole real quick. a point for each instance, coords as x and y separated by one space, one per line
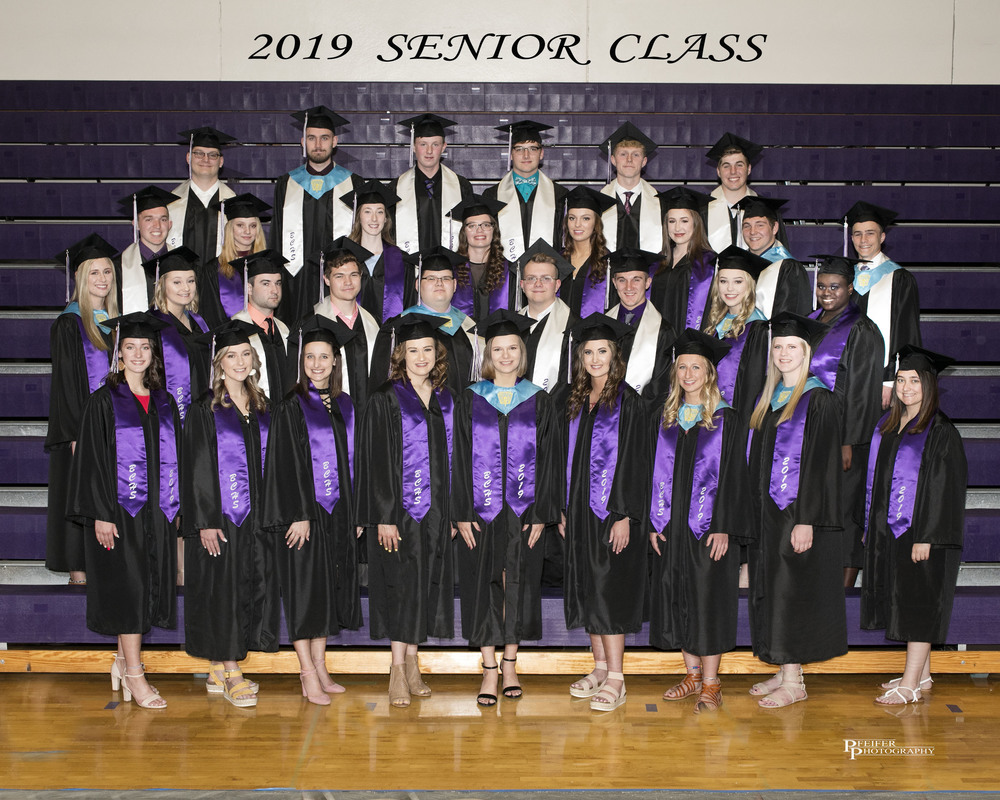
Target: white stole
880 311
407 233
720 234
370 325
293 225
549 350
262 379
642 358
542 215
767 287
650 220
178 211
134 294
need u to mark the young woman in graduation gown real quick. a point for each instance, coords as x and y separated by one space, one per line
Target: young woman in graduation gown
588 289
484 282
221 291
700 497
124 488
231 590
917 475
308 504
386 286
506 489
796 598
80 346
403 486
607 500
683 281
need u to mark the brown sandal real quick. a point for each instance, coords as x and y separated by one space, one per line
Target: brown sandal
711 696
399 692
687 687
414 680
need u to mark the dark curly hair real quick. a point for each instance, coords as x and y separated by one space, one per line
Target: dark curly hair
153 378
598 248
496 265
579 392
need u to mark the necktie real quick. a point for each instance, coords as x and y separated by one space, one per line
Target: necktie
737 236
270 329
629 316
628 202
429 186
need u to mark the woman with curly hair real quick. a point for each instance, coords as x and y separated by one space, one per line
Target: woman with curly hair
404 482
588 290
231 594
606 485
484 283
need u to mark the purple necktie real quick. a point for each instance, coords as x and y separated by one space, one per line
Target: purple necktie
429 186
628 202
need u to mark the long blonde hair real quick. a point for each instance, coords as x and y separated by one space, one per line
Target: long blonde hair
258 401
229 253
82 298
160 295
773 379
718 309
710 397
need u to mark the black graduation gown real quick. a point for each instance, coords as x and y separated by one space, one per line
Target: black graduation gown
656 388
230 600
905 311
604 592
201 228
528 209
628 224
670 290
797 610
412 591
693 599
752 371
70 391
535 336
571 291
132 586
500 579
481 297
209 301
276 357
372 291
913 602
197 352
793 290
319 583
430 215
460 355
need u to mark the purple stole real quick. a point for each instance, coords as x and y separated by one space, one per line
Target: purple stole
787 459
729 366
603 454
323 445
393 278
130 448
905 471
593 298
232 293
416 446
826 356
699 286
516 483
705 482
176 362
95 359
234 472
465 297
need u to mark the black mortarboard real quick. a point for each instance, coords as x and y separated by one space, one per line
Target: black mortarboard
693 342
319 117
437 259
476 204
229 333
145 199
525 130
730 141
370 192
206 137
264 262
137 325
600 326
788 324
835 265
757 206
92 246
416 326
629 259
585 197
344 244
506 323
540 247
426 125
318 328
868 212
626 132
242 206
177 260
912 357
684 197
734 257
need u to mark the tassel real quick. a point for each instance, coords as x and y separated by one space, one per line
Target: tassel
135 220
211 359
118 331
322 271
562 244
190 156
156 279
610 151
67 276
220 228
569 358
477 358
305 124
298 364
420 269
246 285
510 147
451 236
845 236
517 286
607 285
897 363
392 348
815 280
412 127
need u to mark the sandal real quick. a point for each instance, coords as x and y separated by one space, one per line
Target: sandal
117 674
399 692
216 685
483 698
591 685
152 700
926 685
766 687
239 694
787 696
321 699
414 680
895 697
514 691
710 698
691 684
608 699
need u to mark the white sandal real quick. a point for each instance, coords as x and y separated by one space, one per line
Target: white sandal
897 692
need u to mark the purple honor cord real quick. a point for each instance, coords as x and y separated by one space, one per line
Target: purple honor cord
603 454
130 446
905 472
95 359
826 356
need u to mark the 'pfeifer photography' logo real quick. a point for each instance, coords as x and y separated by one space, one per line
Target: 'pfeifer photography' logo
884 747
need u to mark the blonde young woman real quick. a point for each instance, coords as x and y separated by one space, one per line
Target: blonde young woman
700 497
796 597
80 346
231 591
587 290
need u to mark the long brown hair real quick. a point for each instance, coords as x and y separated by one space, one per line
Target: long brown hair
710 397
439 373
336 384
153 377
229 254
928 405
495 263
718 309
386 234
82 298
598 248
697 247
579 392
773 379
258 400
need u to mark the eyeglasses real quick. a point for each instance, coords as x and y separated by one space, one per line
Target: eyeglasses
531 148
205 155
545 280
479 226
440 280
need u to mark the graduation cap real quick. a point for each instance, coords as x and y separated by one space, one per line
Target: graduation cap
180 259
506 323
627 132
835 265
206 136
229 334
600 326
525 130
757 206
426 125
730 141
415 326
684 197
370 192
437 259
92 246
242 206
542 248
868 212
318 328
787 323
143 200
344 245
910 356
263 262
693 342
629 259
734 257
474 205
585 197
319 117
137 325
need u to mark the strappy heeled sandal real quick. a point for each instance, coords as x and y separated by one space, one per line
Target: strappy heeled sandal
321 699
608 699
153 700
691 684
513 692
483 698
591 685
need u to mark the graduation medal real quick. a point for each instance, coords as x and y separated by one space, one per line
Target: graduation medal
864 279
689 413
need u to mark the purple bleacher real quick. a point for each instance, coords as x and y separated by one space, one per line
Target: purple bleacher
981 541
973 341
955 288
970 397
23 537
32 288
24 460
26 338
984 466
25 396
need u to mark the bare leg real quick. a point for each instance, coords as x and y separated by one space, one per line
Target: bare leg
77 576
318 650
598 674
692 680
488 688
916 673
130 644
614 650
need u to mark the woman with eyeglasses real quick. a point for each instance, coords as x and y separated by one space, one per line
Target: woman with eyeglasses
484 282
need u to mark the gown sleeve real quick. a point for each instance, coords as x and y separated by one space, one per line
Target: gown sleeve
655 392
378 370
820 501
545 509
201 501
733 495
630 492
69 381
794 290
939 510
93 485
859 382
906 311
378 476
288 478
461 474
752 370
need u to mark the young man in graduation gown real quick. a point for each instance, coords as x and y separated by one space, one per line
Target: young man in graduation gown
307 214
848 359
783 286
265 275
342 271
534 203
647 353
635 220
435 284
150 226
428 190
884 291
194 223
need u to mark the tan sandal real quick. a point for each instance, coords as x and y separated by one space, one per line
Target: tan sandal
399 692
152 700
591 685
785 694
766 687
691 684
414 680
608 699
710 698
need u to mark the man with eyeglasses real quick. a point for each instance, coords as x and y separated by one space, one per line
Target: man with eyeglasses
435 283
534 203
635 219
193 222
647 354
